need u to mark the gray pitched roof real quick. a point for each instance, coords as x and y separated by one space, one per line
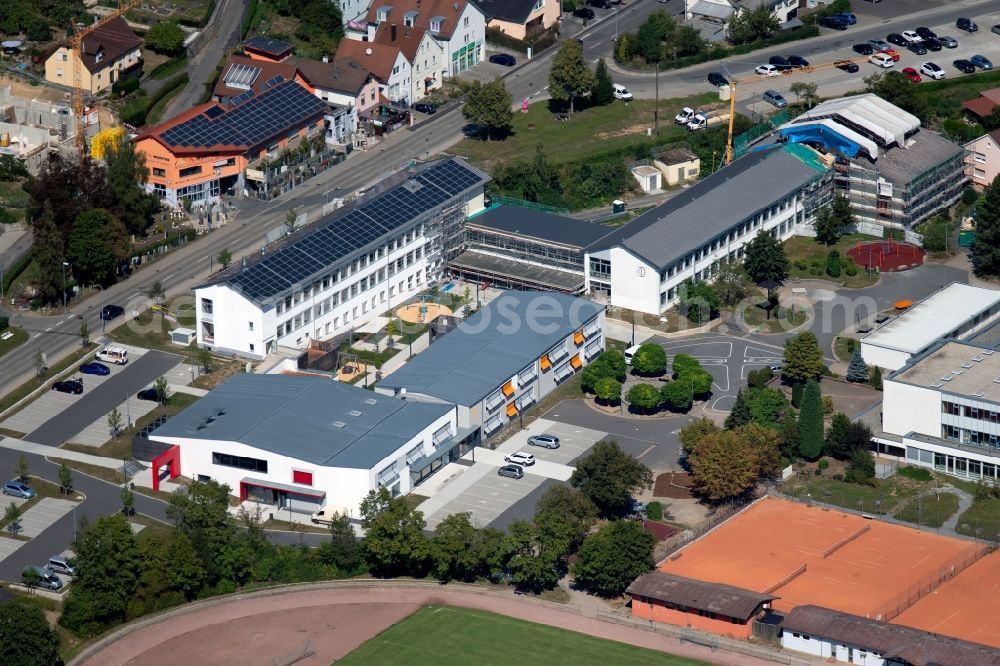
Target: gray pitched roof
712 206
530 223
714 597
307 418
894 642
493 345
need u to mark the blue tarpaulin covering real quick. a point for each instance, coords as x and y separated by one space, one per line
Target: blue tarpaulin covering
824 135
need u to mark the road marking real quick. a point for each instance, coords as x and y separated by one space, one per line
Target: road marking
646 451
48 329
170 276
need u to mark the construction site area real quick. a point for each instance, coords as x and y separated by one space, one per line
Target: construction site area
35 121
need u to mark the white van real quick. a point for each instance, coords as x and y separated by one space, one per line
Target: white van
113 354
629 353
622 93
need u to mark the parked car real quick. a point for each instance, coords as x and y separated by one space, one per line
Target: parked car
964 66
798 61
897 39
982 62
503 59
62 565
882 60
545 441
911 37
109 312
424 107
148 394
584 13
766 70
602 4
864 49
847 16
522 458
18 489
780 62
925 33
846 65
933 70
74 386
948 42
322 516
511 471
774 98
966 24
879 45
995 29
95 368
776 367
892 53
622 93
933 44
917 47
44 577
717 79
912 74
834 22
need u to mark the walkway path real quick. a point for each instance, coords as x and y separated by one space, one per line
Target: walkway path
964 504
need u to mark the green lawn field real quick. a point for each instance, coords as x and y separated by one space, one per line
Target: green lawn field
443 635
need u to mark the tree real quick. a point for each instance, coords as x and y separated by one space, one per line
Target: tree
39 363
202 514
803 359
992 120
65 479
25 636
752 25
608 390
95 245
693 433
766 447
162 389
127 175
531 565
291 217
394 544
840 208
569 77
225 258
985 252
492 552
833 264
185 572
12 516
698 301
643 397
804 91
614 556
84 334
563 517
205 360
740 413
604 90
343 550
165 37
724 465
609 476
491 107
897 89
156 291
128 501
857 438
836 437
862 468
649 359
48 252
789 439
108 560
12 169
677 394
876 378
767 406
811 422
23 474
688 41
115 422
765 259
452 549
732 284
857 370
828 228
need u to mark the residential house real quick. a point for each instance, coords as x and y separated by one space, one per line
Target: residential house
347 87
244 76
386 62
354 14
107 54
982 159
519 18
420 51
266 48
983 105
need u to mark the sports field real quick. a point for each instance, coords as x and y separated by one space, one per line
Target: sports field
811 555
442 635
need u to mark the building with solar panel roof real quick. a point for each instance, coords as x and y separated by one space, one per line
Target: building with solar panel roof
352 265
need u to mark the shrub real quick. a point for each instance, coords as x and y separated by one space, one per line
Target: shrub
851 270
915 473
833 264
797 389
644 397
801 264
125 86
823 464
970 196
827 405
654 511
838 477
759 378
4 322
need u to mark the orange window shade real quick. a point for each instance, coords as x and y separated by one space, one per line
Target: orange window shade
578 338
576 362
511 409
508 389
546 364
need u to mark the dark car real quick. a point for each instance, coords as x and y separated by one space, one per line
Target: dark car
503 59
74 386
603 4
833 22
781 63
917 47
109 312
584 13
982 62
897 39
148 394
933 44
995 29
798 61
863 49
95 368
511 471
966 24
847 16
717 79
925 33
424 107
964 66
846 65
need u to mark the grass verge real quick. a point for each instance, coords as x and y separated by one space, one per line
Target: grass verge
930 510
843 347
802 249
981 520
782 319
443 635
888 493
19 337
27 387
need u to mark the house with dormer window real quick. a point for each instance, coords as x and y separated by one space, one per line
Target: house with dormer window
107 54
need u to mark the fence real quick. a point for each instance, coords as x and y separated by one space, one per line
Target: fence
719 516
917 591
511 201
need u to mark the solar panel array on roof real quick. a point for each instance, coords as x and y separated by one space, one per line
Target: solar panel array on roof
273 81
241 76
215 111
254 122
242 97
347 233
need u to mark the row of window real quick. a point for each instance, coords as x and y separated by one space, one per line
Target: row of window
970 437
956 465
977 413
239 462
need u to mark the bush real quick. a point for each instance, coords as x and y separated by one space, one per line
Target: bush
838 477
833 264
915 473
644 397
823 464
4 322
970 196
654 511
827 405
851 269
759 378
125 86
819 472
801 264
500 38
797 389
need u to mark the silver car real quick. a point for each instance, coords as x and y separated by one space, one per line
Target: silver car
879 44
511 471
545 441
774 97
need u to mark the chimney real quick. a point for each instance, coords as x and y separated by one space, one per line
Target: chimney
392 32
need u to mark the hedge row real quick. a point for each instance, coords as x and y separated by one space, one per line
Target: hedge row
137 116
15 271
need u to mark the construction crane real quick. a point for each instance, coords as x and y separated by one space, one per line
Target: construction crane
76 47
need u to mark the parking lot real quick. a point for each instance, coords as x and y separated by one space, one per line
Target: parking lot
39 517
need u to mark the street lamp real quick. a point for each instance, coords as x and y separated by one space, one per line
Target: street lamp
64 265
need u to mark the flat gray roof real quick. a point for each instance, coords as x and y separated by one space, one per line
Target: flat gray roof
924 151
315 419
520 273
713 206
957 368
493 345
541 226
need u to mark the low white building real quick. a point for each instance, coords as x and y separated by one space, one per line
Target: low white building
351 266
302 443
722 11
852 639
641 265
954 312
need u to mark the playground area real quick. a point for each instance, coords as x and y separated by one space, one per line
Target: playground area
422 312
887 255
806 554
351 371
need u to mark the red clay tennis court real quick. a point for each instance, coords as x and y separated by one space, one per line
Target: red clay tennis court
966 607
887 255
811 555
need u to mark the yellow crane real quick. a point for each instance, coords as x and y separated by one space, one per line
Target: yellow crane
76 44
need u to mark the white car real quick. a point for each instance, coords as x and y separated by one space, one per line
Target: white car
622 93
881 60
912 37
932 70
767 70
521 458
685 116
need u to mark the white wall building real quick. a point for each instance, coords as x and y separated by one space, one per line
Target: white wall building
351 266
642 264
721 11
301 443
954 312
